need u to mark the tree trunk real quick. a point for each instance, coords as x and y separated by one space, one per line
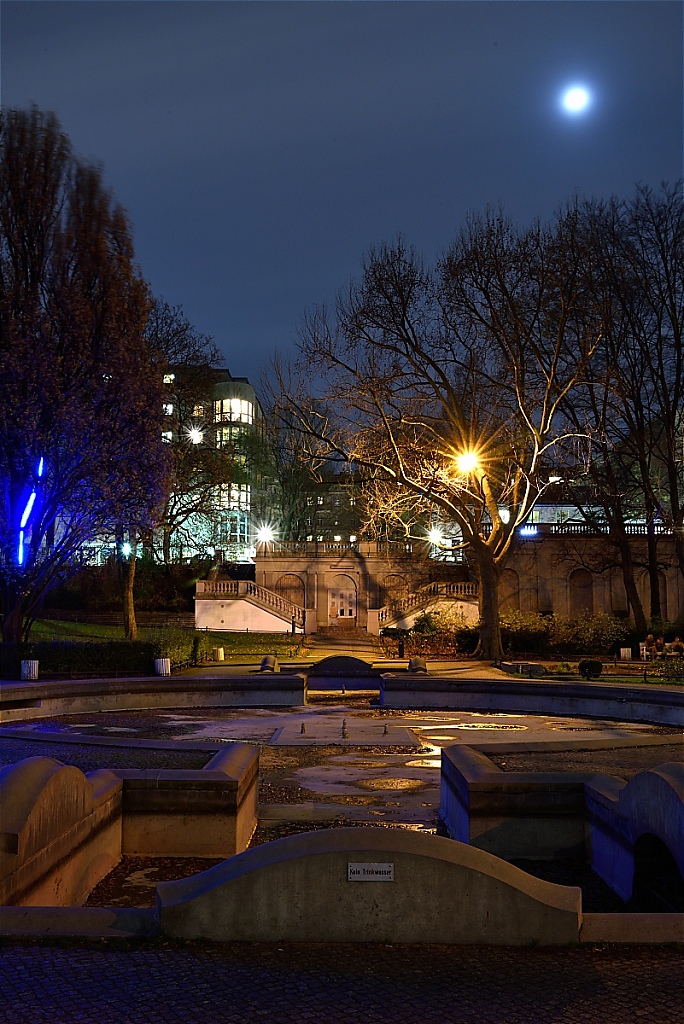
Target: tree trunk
166 544
13 624
653 575
627 565
130 625
489 647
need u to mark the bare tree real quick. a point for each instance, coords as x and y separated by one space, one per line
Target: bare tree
630 405
80 395
449 382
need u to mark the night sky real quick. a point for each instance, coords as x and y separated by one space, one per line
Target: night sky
260 148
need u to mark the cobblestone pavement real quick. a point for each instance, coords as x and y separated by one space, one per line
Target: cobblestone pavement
173 983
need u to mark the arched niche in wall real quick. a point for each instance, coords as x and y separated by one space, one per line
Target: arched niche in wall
662 586
509 591
342 599
393 590
581 593
291 587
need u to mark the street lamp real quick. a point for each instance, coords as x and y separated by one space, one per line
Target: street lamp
195 435
467 462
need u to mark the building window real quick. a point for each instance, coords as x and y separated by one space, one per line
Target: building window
167 435
233 410
168 409
198 410
169 378
235 496
319 500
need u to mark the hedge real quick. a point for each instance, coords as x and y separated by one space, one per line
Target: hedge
105 657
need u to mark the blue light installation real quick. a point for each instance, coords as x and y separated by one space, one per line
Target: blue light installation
26 515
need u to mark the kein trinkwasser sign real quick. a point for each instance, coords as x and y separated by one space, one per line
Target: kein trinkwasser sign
370 872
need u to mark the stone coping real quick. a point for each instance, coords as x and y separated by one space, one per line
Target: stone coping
53 688
125 923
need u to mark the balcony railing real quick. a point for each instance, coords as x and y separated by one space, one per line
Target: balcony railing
245 589
379 549
422 597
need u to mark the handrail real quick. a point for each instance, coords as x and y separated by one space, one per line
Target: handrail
424 595
245 588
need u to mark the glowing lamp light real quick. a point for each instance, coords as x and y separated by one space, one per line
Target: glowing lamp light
265 534
576 99
529 530
467 462
20 550
195 435
435 536
126 549
41 466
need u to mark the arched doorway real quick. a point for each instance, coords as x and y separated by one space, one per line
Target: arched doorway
342 601
581 593
509 591
291 587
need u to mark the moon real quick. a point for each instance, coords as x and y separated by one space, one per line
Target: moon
576 99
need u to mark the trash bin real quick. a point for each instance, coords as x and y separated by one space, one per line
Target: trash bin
625 654
29 670
217 654
162 666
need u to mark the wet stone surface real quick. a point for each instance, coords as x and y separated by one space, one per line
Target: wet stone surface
623 762
91 758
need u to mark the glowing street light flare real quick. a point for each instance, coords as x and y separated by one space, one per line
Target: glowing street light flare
195 435
126 549
265 534
435 536
467 462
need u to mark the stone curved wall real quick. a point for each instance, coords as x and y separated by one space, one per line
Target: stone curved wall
298 889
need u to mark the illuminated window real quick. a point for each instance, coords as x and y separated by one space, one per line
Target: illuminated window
233 410
167 435
169 378
168 409
319 500
235 496
198 410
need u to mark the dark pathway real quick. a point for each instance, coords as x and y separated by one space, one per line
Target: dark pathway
89 983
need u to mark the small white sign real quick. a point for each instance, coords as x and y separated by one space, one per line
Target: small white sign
370 872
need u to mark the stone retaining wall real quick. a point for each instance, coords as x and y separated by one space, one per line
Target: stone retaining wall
422 888
62 831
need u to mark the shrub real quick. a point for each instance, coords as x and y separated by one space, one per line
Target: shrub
521 632
587 634
67 657
670 671
590 668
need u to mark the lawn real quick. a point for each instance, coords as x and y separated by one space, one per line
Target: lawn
236 646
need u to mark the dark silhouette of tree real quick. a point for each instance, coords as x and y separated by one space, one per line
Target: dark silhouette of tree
630 407
80 390
449 382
